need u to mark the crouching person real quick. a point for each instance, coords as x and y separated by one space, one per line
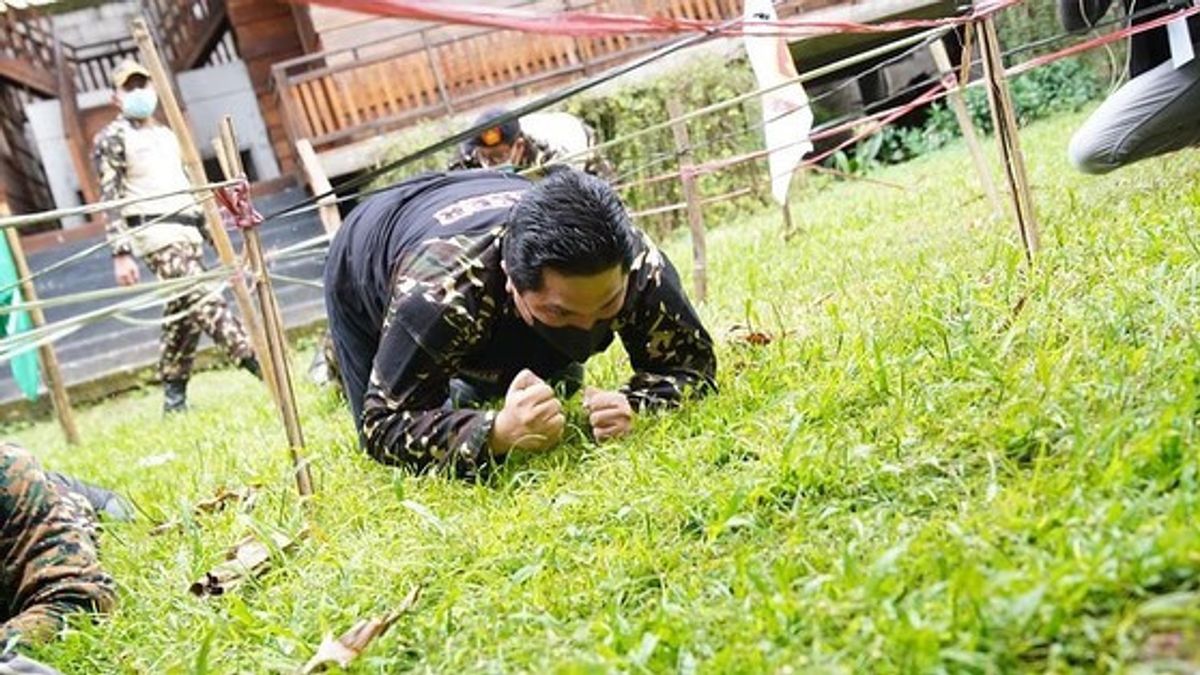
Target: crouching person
450 290
49 566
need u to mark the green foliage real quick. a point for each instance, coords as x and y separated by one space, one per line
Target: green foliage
1062 86
943 463
721 135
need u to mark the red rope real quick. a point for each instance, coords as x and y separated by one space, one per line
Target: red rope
1100 41
235 199
600 24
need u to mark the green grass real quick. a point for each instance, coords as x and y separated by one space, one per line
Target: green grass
914 479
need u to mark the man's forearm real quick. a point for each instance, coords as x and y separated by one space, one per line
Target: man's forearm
451 439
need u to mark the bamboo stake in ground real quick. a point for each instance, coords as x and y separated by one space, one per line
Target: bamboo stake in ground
269 305
959 106
49 360
683 147
212 217
1007 137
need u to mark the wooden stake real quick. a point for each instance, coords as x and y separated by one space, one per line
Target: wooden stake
269 305
319 183
1007 137
691 195
959 106
212 217
72 126
48 358
788 226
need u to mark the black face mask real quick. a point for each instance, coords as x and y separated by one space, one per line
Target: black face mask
575 343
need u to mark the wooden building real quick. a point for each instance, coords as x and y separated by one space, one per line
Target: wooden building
339 81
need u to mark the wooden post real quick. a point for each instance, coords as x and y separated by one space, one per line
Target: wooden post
49 360
691 194
73 127
212 217
269 305
437 72
287 100
959 106
1007 137
319 183
584 61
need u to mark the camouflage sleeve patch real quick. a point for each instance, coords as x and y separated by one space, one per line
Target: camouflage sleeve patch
108 158
438 311
49 565
671 353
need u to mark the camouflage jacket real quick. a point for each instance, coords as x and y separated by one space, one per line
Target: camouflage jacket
48 564
108 158
446 313
141 161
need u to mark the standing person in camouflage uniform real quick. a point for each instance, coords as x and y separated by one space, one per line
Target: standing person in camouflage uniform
48 562
136 156
452 289
533 141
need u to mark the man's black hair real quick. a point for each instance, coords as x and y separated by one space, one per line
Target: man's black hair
571 222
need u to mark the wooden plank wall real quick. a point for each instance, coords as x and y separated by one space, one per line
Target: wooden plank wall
268 32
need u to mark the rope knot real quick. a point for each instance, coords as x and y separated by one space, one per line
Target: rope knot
235 199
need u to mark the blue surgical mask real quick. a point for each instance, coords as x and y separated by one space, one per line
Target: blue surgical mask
139 104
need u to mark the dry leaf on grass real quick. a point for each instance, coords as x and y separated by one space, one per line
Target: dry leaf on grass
756 338
249 557
246 496
352 643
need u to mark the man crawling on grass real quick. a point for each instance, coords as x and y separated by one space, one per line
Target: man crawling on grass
450 290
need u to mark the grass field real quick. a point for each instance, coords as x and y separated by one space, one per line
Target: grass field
942 463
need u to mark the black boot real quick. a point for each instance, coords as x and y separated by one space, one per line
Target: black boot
104 502
174 396
250 364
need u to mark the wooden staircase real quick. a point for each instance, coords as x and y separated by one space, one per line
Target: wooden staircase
35 66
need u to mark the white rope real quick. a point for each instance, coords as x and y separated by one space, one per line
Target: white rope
105 293
85 253
15 344
297 281
288 251
88 209
721 105
169 318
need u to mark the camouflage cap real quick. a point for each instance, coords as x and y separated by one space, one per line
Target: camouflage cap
127 69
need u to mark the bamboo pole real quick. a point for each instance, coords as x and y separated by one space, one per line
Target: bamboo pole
691 195
49 359
959 106
269 306
1007 137
195 172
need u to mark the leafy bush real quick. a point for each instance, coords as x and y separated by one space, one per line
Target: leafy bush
720 135
1061 86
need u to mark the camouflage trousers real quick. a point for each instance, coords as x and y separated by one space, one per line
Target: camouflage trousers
200 310
48 539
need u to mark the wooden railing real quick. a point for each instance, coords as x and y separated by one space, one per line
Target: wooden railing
94 63
187 30
27 50
340 96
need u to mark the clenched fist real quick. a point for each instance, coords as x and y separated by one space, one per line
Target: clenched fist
532 418
609 413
